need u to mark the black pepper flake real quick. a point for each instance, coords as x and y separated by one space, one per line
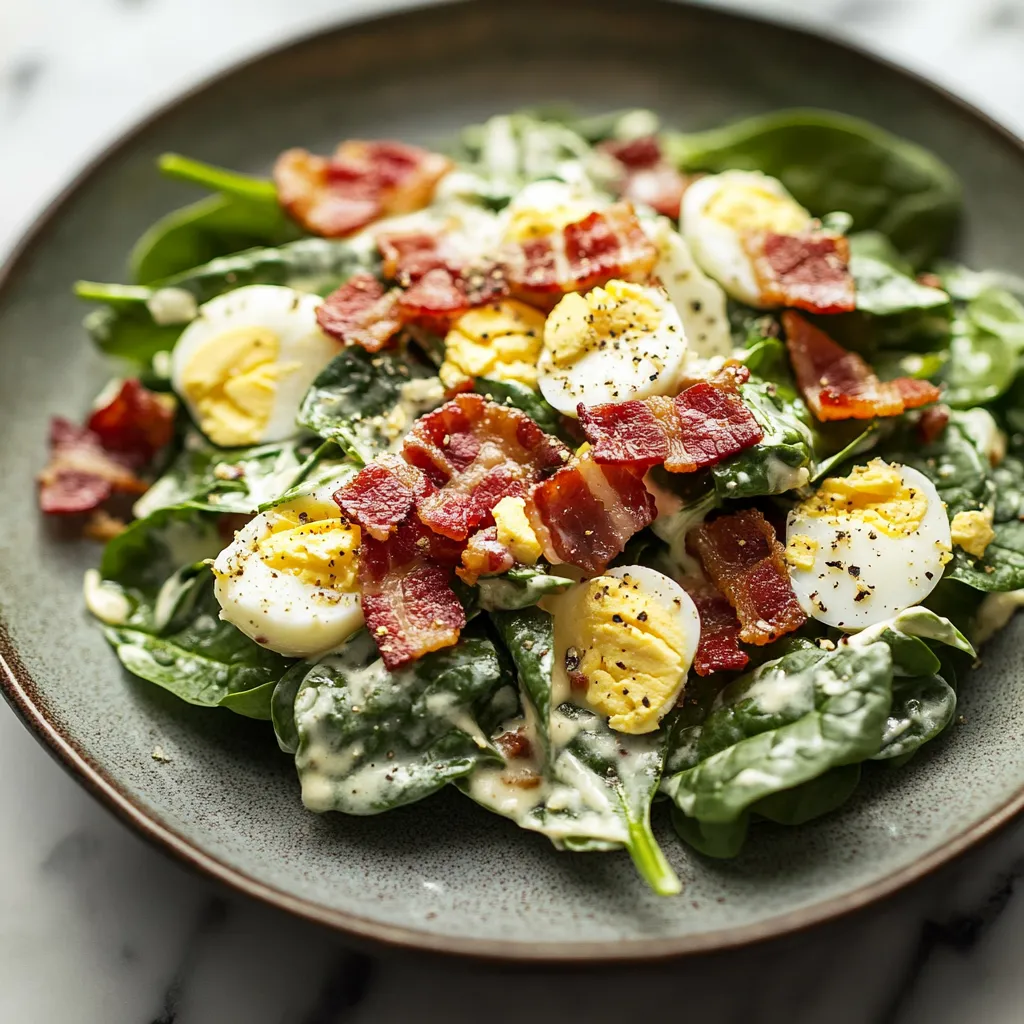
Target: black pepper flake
834 565
641 617
572 659
853 570
860 595
646 701
616 617
929 575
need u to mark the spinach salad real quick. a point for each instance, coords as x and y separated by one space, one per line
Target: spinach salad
597 469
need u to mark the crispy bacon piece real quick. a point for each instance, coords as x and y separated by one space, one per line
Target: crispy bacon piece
408 603
361 312
382 495
136 422
476 452
698 428
608 243
840 385
647 177
484 555
719 648
743 558
932 423
407 256
334 196
585 512
81 474
809 271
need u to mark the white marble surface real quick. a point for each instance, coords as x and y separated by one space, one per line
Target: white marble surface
97 928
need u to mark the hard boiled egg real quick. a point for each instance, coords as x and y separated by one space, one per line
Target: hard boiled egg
244 363
545 207
624 642
289 578
868 545
721 210
614 343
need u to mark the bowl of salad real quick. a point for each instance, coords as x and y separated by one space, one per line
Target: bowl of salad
463 504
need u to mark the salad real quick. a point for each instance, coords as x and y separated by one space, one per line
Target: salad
585 466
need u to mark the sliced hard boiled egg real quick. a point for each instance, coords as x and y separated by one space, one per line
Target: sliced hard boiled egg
289 578
614 343
866 546
545 207
244 363
624 642
720 211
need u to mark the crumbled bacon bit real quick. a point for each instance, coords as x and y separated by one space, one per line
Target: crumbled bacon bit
647 177
718 648
135 422
361 312
932 423
514 744
484 555
809 271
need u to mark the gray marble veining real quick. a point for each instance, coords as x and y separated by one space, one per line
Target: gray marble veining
97 927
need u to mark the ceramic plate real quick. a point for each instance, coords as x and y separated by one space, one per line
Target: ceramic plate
443 874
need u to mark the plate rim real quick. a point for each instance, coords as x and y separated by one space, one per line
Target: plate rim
19 688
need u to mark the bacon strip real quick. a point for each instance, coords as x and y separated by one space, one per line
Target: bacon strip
335 196
809 271
840 385
744 560
484 555
382 495
701 426
136 422
718 648
585 512
608 243
361 312
647 177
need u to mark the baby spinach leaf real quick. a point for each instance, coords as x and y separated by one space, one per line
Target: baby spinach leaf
282 706
810 799
520 587
833 162
135 324
370 739
883 289
787 722
922 708
905 634
366 402
982 362
722 840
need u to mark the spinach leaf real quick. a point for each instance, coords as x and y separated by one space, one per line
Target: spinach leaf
370 739
905 634
366 402
833 162
884 290
519 396
133 322
282 706
785 723
810 799
520 587
722 840
243 213
922 708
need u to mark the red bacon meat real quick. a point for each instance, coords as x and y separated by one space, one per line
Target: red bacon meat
840 385
718 648
647 177
701 426
808 271
382 495
135 422
361 312
744 560
335 196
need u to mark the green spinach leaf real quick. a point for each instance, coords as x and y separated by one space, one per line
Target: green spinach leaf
884 290
922 708
520 587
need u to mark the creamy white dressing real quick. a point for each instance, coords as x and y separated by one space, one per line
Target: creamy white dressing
169 306
104 599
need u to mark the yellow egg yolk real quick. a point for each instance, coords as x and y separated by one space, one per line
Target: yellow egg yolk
973 531
320 552
515 532
531 223
631 651
873 494
800 551
231 383
619 314
501 341
748 208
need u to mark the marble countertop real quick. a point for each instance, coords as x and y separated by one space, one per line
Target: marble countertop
98 928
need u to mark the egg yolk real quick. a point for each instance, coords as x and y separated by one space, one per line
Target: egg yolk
749 207
231 383
973 531
514 530
320 552
501 341
631 652
800 551
532 223
619 314
873 494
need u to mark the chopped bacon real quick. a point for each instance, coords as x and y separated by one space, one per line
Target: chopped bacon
477 452
407 256
718 648
585 512
484 555
701 426
382 495
81 474
334 196
608 243
408 603
840 385
744 559
932 423
136 422
809 271
361 312
647 177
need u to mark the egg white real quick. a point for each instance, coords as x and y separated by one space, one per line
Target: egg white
291 316
892 573
624 368
277 609
718 247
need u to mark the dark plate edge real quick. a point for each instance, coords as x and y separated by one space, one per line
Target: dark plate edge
18 686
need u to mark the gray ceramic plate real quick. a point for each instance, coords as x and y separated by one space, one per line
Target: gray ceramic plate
444 875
